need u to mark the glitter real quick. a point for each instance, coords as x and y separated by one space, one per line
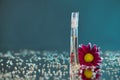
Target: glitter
50 66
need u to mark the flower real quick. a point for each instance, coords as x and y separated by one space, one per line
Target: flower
90 74
89 56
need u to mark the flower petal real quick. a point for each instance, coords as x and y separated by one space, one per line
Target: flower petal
85 49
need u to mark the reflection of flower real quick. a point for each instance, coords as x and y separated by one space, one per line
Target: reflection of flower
89 56
71 57
90 74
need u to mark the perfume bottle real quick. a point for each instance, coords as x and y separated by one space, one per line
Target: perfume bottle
74 66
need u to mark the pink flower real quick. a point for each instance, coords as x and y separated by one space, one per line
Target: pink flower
89 56
90 74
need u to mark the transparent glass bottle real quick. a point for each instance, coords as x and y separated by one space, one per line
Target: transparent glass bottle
74 66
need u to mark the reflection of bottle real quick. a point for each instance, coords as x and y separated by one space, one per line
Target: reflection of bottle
74 45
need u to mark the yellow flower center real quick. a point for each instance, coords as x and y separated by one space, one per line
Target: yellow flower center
88 73
88 57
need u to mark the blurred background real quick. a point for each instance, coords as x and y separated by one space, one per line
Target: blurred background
45 24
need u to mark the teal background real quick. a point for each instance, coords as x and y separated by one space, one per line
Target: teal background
45 24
